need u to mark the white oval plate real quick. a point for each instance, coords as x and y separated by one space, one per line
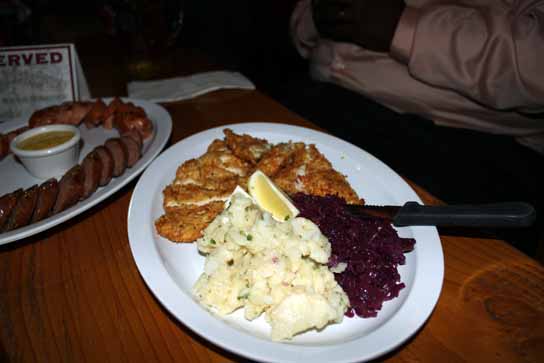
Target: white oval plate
170 269
15 176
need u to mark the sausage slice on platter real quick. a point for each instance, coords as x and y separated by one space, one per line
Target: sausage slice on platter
70 113
137 121
70 189
5 141
136 136
13 134
133 150
47 195
7 203
106 161
109 112
92 170
75 111
4 146
119 154
96 115
22 213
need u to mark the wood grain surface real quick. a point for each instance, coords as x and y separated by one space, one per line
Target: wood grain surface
74 294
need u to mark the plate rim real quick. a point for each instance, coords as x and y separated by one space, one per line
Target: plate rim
163 125
162 287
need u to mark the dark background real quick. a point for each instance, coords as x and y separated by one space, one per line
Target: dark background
458 166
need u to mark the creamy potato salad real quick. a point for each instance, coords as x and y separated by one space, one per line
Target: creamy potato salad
270 267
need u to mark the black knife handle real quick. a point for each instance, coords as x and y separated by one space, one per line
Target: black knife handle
509 214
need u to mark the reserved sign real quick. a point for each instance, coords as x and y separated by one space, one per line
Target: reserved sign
34 77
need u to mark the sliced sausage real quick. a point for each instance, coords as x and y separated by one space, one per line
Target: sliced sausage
13 134
119 153
4 146
70 189
92 169
95 116
7 203
22 213
76 110
136 136
106 161
109 112
126 121
47 195
44 116
133 150
70 113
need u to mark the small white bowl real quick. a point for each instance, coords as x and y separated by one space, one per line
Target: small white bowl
49 162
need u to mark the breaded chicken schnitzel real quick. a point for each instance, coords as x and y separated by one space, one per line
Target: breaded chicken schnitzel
199 190
202 185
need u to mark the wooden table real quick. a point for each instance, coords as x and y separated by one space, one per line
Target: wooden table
73 293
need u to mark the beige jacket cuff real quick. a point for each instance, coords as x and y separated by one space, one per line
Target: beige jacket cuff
401 46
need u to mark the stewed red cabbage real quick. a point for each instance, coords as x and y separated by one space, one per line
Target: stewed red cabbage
370 247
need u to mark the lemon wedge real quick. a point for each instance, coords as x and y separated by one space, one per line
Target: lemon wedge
270 197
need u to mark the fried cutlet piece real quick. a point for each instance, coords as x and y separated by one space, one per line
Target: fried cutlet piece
217 145
200 182
196 172
190 208
176 195
310 172
329 182
197 194
213 183
246 147
312 158
303 161
217 165
278 157
185 223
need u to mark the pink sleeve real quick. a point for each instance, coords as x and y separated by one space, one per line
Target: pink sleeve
492 54
303 32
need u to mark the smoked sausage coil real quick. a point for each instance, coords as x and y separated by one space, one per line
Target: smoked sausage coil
19 208
70 189
22 213
133 150
5 141
92 169
12 134
95 116
106 160
4 146
119 154
47 196
136 136
7 203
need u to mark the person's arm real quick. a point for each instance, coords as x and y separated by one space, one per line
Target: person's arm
494 55
302 28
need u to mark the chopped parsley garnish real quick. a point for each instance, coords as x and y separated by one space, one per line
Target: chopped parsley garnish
243 296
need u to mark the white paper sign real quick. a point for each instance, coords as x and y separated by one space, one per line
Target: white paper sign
33 77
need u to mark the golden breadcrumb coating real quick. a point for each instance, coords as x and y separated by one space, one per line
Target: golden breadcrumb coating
278 157
185 223
329 182
197 194
246 147
176 195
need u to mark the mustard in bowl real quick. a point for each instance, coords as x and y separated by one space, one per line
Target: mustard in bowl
47 151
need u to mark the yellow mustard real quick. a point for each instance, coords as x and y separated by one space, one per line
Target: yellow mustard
45 140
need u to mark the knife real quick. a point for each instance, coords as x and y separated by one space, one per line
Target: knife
509 214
